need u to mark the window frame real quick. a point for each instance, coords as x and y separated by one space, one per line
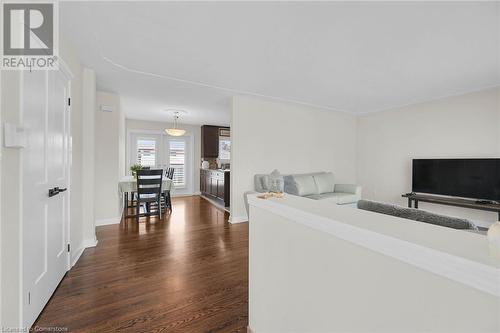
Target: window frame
178 139
136 150
189 162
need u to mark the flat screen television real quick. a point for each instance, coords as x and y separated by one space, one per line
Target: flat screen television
477 178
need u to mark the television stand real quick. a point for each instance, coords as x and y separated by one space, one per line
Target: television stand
487 202
450 201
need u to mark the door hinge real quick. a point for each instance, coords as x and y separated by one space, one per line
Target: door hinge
69 101
29 297
69 247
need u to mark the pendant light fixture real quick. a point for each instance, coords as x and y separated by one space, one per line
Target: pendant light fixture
174 131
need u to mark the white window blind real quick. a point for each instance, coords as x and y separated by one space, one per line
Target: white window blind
177 158
146 152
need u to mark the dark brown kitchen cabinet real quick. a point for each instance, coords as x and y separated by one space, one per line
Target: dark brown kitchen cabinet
210 140
214 184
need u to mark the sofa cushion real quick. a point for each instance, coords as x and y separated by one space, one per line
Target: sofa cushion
325 182
337 197
301 185
290 186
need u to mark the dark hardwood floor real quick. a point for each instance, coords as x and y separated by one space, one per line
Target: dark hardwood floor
185 273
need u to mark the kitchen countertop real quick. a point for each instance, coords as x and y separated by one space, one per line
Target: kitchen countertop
220 170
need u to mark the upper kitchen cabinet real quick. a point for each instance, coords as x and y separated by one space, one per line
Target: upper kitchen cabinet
210 140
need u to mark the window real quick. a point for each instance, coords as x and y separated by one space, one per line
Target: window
159 151
224 148
146 152
177 159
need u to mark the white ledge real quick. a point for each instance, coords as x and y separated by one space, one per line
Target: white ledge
455 254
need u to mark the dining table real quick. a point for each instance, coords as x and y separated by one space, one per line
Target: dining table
128 185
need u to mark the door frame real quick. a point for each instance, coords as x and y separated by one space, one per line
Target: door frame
190 171
64 69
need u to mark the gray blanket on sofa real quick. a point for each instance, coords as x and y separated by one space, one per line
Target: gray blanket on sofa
417 215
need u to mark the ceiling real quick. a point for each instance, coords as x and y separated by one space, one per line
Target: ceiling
355 57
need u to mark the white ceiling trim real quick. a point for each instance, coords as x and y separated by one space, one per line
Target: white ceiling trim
429 100
207 85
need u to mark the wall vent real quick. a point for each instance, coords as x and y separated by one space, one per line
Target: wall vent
107 108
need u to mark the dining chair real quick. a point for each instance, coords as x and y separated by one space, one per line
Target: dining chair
132 194
149 190
169 173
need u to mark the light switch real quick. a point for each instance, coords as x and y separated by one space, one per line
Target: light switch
14 136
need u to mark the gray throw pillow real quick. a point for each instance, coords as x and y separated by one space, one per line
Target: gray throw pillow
265 182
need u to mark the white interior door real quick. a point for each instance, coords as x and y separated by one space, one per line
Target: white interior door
45 166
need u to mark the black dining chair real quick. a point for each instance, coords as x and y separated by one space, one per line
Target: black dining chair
132 194
169 173
149 191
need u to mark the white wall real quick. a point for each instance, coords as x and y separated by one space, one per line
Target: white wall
194 131
305 280
460 126
88 154
107 159
292 138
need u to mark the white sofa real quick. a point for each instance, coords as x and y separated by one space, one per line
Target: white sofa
316 186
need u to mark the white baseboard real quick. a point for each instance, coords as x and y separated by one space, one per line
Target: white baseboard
90 243
78 253
113 220
237 219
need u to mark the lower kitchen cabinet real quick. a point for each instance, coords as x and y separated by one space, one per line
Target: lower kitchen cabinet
214 184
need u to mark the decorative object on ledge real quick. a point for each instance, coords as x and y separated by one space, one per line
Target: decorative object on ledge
494 240
205 165
276 182
174 131
268 195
